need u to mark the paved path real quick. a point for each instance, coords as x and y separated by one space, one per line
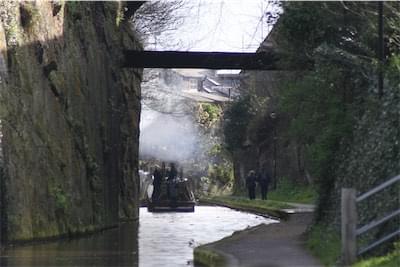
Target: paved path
299 208
274 245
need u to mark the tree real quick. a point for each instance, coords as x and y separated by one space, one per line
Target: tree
156 21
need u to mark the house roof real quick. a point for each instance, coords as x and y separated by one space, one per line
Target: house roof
228 72
213 81
194 73
204 97
207 89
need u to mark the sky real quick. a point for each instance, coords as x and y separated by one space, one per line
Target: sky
223 25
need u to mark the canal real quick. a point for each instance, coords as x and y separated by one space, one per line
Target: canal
163 239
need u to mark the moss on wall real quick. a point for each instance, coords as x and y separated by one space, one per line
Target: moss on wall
69 116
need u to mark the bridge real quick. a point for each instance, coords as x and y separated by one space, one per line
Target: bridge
204 60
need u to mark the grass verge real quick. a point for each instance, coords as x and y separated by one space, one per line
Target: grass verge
289 191
206 257
268 207
327 249
390 260
324 243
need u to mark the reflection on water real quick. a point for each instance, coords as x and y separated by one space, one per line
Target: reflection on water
115 247
168 239
165 239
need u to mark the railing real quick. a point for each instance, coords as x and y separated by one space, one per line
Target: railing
349 222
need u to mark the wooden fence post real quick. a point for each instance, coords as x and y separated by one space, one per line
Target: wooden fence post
349 225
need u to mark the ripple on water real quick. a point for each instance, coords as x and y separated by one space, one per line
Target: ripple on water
168 239
163 239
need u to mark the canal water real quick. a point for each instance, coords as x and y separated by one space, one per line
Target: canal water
163 239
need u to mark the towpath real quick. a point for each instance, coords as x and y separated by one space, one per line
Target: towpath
273 245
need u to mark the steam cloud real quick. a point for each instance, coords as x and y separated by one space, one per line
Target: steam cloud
168 138
168 131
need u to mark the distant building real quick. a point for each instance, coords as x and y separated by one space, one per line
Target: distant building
228 82
205 85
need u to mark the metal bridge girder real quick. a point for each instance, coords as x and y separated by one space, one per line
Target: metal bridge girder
202 60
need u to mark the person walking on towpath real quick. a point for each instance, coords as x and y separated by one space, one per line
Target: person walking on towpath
251 184
263 180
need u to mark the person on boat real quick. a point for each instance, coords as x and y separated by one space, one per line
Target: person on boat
173 172
251 184
157 180
163 170
171 188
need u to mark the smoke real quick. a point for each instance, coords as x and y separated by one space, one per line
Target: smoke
168 138
168 129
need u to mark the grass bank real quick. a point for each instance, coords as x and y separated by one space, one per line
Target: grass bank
268 207
327 249
288 191
390 260
207 257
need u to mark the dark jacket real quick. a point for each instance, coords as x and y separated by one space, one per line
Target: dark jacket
251 181
157 177
172 174
263 179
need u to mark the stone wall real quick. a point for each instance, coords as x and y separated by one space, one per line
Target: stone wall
69 117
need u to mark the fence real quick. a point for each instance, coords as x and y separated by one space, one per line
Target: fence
349 222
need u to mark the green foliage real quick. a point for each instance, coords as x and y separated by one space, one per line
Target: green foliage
393 70
209 114
237 118
392 259
12 34
349 26
119 17
327 249
215 150
9 18
207 257
320 117
60 197
289 191
326 103
222 172
73 9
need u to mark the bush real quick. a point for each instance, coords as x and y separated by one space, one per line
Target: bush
209 114
222 173
237 118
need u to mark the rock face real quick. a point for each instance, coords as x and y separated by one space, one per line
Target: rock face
69 118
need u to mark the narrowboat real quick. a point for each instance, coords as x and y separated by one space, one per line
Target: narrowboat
173 196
